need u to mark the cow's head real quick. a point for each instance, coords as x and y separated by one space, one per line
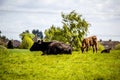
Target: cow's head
36 46
40 46
82 49
83 46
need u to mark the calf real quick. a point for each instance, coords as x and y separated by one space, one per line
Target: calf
106 50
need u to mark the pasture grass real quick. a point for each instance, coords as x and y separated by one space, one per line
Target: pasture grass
20 64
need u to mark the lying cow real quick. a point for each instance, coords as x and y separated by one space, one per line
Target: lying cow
106 50
54 47
90 41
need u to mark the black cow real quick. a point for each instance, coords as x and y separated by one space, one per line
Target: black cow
106 50
54 47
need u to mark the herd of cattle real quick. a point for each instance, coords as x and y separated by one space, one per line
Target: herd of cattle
56 47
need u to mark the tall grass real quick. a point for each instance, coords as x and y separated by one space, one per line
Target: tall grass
25 65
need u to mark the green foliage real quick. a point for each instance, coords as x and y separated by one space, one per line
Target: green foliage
38 33
3 50
100 47
3 39
2 43
22 65
27 42
76 26
73 30
26 33
54 33
117 47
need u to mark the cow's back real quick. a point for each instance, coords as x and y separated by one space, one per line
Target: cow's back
59 47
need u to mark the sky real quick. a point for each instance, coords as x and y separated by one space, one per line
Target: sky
17 16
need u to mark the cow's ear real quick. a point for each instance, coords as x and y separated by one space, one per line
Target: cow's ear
38 41
41 40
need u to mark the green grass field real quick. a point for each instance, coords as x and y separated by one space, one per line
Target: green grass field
19 64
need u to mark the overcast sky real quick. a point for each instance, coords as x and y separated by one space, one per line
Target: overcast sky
17 16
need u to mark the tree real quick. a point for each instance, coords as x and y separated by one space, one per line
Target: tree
10 44
54 33
26 33
38 33
76 27
73 31
3 39
27 41
3 50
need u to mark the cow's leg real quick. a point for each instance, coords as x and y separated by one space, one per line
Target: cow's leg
69 51
87 49
45 52
83 49
93 48
54 51
66 51
87 46
108 51
96 47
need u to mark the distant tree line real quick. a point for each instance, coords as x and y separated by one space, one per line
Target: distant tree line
3 39
74 29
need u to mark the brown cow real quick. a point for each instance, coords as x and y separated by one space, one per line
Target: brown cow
90 41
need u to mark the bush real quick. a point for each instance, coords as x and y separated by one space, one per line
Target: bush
3 50
26 43
117 47
2 43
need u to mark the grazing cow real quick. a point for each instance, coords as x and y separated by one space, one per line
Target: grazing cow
90 41
54 47
106 50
